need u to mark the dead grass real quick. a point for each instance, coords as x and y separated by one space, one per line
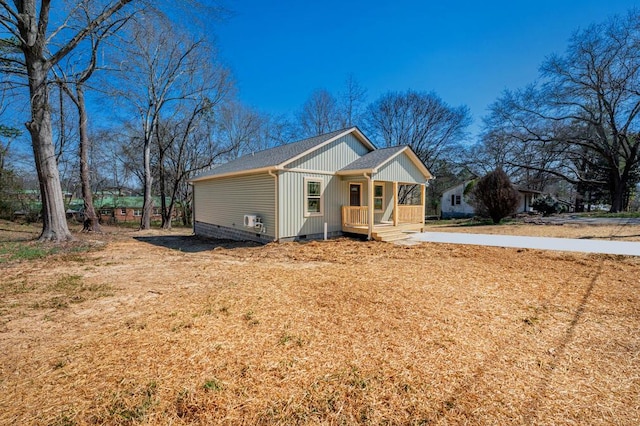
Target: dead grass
339 332
568 230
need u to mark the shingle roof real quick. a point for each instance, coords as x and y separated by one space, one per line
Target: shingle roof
374 159
270 157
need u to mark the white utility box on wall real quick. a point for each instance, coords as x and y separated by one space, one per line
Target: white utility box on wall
250 220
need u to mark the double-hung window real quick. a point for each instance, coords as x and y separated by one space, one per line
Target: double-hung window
313 197
378 197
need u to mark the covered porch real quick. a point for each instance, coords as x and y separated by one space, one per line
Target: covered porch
403 218
386 194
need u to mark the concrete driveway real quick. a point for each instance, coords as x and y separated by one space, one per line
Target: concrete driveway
561 244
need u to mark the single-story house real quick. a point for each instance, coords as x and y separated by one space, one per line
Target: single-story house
116 208
454 203
329 185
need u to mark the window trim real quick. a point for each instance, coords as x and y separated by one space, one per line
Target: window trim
381 209
123 211
306 197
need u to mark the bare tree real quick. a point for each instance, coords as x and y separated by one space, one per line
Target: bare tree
194 147
277 130
319 114
585 110
421 120
240 129
42 48
352 102
164 70
74 85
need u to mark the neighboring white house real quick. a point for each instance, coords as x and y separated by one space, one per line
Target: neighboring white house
335 183
454 203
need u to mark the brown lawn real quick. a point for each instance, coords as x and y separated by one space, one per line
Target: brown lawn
567 230
162 328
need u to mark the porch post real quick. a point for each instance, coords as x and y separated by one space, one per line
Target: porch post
370 206
395 203
423 201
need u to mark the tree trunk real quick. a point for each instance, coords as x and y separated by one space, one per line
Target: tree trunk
164 211
145 220
186 214
92 222
54 221
617 190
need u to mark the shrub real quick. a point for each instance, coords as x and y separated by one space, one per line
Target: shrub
546 205
494 196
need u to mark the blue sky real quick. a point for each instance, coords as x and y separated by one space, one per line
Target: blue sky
467 52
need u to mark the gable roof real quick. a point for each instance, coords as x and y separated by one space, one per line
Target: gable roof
373 161
280 156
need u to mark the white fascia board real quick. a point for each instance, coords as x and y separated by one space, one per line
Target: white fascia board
238 173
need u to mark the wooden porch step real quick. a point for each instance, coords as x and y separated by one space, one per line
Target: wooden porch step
389 235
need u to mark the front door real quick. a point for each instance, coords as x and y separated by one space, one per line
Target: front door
354 194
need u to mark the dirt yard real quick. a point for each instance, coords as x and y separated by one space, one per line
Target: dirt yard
162 328
622 232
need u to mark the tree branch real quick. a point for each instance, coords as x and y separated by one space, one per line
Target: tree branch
91 26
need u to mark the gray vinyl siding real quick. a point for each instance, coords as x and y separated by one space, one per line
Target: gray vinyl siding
387 207
387 211
332 157
400 169
293 223
225 201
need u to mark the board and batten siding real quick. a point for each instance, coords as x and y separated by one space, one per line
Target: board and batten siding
293 223
400 169
387 203
225 201
332 157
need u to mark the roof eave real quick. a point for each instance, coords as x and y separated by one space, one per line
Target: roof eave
354 172
233 174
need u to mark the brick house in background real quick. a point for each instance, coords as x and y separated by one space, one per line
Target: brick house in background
114 208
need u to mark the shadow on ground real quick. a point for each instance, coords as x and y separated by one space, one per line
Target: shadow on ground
192 243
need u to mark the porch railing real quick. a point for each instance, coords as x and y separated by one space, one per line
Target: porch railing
355 216
410 214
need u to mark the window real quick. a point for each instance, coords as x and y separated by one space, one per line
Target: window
378 197
455 199
458 199
137 212
105 212
313 197
123 212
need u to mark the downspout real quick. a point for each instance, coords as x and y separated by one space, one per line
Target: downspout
193 207
277 228
369 205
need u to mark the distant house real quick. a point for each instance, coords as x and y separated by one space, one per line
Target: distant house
335 183
455 201
113 208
